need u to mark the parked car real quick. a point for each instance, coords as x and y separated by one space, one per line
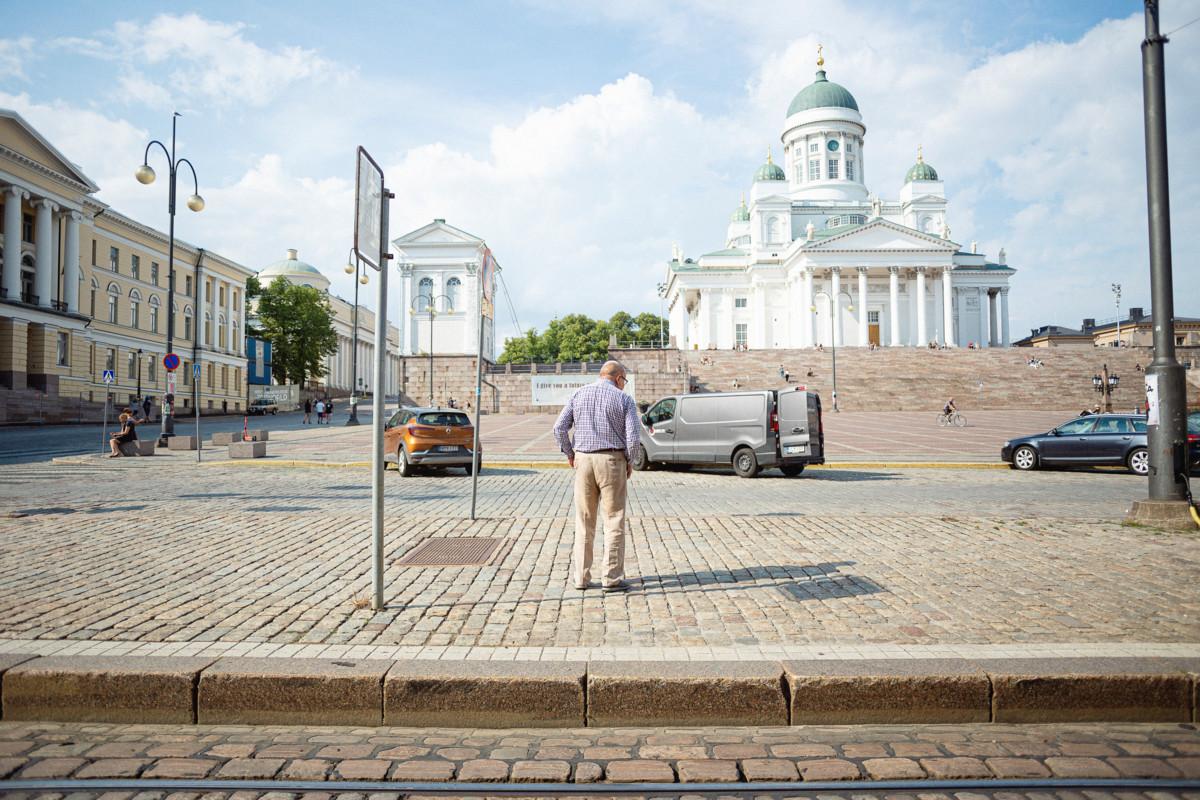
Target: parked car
749 431
429 437
1093 440
263 407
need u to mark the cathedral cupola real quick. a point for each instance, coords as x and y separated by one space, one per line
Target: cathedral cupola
741 213
822 93
920 171
770 171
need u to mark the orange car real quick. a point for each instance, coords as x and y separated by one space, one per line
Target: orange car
433 437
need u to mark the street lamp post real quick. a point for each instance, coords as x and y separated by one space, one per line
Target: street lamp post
145 175
1106 384
1116 290
430 303
139 376
355 269
662 300
832 336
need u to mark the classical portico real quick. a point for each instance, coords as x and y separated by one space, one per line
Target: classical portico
816 259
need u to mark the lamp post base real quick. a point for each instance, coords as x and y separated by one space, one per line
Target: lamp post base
1172 515
353 419
167 431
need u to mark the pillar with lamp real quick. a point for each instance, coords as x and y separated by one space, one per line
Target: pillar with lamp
1106 383
427 304
834 322
354 267
145 175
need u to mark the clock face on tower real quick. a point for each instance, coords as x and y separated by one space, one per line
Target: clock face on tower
833 145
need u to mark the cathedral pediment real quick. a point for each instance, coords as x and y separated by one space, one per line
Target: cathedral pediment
880 235
437 232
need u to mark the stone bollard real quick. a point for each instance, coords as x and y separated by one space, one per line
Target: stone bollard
259 435
182 443
247 449
226 437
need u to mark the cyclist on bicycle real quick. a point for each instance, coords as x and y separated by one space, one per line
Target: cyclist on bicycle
949 408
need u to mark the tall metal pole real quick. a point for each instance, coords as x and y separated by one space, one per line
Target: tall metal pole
196 350
476 461
833 346
1166 433
1116 287
353 420
167 429
431 318
379 419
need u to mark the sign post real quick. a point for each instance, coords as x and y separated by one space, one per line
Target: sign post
487 268
370 244
109 377
196 403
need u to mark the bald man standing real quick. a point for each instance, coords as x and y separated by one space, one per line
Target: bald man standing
607 434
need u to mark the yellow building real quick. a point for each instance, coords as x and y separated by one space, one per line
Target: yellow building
84 289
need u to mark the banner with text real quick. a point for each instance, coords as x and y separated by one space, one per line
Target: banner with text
556 390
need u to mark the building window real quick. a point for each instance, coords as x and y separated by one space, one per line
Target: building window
208 332
453 289
27 228
849 145
210 376
814 169
224 377
114 259
849 169
64 349
221 295
814 147
110 359
187 283
739 334
187 323
872 317
152 369
187 373
135 266
154 272
130 364
154 318
112 309
799 172
133 313
425 289
833 169
92 311
739 302
237 376
93 252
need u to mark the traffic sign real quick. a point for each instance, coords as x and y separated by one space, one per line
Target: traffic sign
368 210
170 383
171 362
109 376
196 371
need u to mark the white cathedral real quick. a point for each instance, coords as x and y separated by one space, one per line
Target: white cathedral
815 259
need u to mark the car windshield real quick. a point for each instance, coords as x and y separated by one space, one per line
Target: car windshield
451 418
1194 422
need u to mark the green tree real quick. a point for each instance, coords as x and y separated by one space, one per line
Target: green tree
253 290
298 322
577 337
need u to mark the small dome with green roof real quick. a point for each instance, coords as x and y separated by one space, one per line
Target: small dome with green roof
741 214
295 271
920 171
770 171
822 93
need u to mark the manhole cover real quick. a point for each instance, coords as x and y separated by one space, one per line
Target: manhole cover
459 551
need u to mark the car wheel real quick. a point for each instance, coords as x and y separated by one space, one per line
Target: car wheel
1025 458
792 470
744 463
402 464
469 468
640 462
1139 461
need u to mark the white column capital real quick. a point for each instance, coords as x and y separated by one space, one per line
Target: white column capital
75 216
893 270
921 270
18 192
47 204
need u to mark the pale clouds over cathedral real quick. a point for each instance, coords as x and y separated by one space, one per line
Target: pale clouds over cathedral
812 257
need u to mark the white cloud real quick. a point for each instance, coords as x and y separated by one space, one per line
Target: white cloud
14 54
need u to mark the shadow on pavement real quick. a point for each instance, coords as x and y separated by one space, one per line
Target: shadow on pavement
800 582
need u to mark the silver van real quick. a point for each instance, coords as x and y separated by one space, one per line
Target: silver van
747 430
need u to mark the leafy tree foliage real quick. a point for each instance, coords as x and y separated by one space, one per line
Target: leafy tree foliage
577 337
298 322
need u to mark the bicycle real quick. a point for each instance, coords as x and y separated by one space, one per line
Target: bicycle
953 419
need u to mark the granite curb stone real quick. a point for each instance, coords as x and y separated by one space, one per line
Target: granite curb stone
103 689
292 691
685 693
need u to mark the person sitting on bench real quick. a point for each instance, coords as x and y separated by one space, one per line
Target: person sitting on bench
128 433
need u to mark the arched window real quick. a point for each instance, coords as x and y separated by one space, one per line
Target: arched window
453 290
208 335
154 314
114 292
187 322
221 330
425 287
234 345
772 229
95 288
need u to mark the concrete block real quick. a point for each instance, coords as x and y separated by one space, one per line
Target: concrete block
485 694
141 447
259 435
887 691
689 693
226 437
103 689
247 449
178 442
1091 689
291 691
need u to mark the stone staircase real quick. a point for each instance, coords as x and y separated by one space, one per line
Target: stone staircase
908 379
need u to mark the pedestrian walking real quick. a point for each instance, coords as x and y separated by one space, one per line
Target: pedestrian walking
320 411
146 406
328 411
307 412
606 437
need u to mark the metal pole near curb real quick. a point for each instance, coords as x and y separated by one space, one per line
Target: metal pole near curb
379 418
476 461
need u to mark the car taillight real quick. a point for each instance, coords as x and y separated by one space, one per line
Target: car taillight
412 430
1194 437
774 422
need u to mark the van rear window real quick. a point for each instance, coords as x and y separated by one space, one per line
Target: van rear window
450 418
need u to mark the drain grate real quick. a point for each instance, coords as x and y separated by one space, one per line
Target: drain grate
457 551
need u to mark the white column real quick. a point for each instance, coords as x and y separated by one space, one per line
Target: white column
705 311
894 305
806 311
922 331
213 297
947 309
43 281
229 345
836 305
993 334
863 334
71 276
981 293
1004 317
13 196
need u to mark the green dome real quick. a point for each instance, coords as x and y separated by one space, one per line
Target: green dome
920 171
741 214
822 93
770 171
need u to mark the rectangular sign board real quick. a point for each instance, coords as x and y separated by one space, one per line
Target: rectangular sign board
556 390
368 209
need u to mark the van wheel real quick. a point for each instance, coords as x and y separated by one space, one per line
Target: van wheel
640 462
402 465
792 470
744 463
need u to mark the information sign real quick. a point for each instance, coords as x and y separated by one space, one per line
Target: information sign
171 362
368 209
170 383
109 376
196 371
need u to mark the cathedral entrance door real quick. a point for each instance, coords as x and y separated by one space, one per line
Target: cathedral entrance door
873 333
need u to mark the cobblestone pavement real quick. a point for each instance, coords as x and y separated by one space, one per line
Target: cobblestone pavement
600 755
128 557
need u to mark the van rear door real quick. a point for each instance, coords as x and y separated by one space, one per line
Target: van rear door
816 428
797 433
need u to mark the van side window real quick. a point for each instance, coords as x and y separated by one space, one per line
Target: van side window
663 410
1139 426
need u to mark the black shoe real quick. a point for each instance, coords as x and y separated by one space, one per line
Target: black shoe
619 586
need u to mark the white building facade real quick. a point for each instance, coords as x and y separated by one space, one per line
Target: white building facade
439 284
815 259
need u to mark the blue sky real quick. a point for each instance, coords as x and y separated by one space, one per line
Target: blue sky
583 139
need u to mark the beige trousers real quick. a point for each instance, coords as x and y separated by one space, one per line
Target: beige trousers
599 481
